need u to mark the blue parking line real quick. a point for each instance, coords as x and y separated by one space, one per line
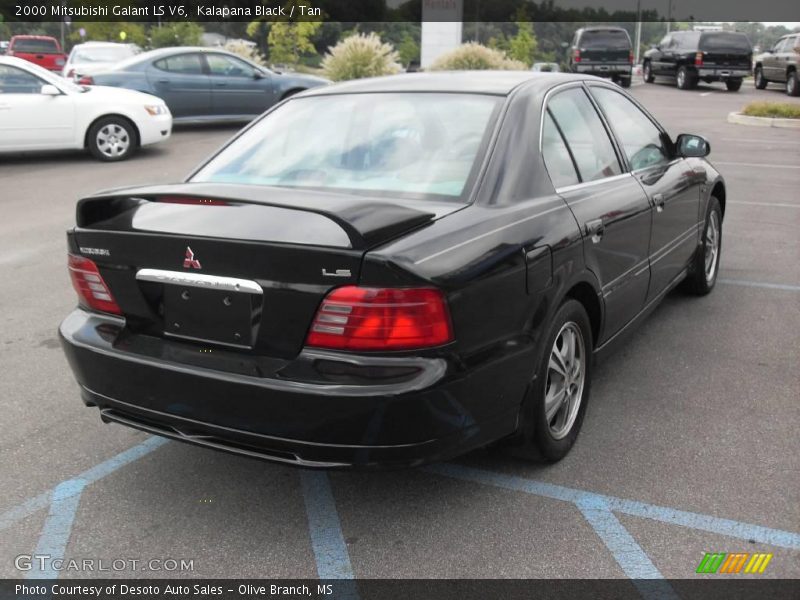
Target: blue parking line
324 527
58 526
628 554
91 475
672 516
761 284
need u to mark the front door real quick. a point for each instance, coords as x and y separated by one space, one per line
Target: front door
237 89
610 206
669 182
30 120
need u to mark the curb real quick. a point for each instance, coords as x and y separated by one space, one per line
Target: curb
741 119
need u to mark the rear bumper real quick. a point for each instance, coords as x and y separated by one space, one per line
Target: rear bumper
604 69
428 412
722 73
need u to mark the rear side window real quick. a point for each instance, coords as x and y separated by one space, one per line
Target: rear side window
725 41
36 46
556 155
611 39
185 64
640 139
585 135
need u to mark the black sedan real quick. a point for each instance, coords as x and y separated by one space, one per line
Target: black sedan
204 84
391 271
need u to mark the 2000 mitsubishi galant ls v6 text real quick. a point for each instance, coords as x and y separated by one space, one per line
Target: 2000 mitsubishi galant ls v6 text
391 271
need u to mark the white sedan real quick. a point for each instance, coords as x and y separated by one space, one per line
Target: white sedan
41 111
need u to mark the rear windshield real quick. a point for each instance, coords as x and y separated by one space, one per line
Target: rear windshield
725 41
90 54
609 39
38 46
413 145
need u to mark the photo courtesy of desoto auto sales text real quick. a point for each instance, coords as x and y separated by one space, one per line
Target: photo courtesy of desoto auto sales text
400 300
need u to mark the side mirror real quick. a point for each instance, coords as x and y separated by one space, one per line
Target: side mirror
50 90
258 75
692 146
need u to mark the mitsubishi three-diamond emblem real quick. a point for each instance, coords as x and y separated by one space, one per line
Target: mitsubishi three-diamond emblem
190 262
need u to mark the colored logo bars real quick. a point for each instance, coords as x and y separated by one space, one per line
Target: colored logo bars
724 562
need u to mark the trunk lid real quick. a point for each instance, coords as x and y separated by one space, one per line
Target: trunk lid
232 265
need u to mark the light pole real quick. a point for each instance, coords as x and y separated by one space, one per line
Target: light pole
638 35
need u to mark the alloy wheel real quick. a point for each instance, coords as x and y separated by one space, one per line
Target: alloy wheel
566 374
712 246
113 140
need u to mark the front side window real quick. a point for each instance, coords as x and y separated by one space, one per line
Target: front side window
184 64
17 81
384 144
641 140
226 66
585 135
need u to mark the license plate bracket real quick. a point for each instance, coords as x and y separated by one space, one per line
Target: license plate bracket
209 315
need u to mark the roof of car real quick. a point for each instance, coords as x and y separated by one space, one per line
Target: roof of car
474 82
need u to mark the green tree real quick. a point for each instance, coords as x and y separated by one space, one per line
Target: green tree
109 32
176 34
523 46
289 41
408 49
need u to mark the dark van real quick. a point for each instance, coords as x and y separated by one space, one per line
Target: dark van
602 51
691 56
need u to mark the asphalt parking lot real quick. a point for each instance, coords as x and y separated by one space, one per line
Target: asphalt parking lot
690 443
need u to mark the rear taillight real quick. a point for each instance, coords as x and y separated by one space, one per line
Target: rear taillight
361 318
576 55
698 59
88 283
86 80
630 57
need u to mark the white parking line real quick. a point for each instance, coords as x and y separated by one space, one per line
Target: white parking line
756 165
755 141
778 204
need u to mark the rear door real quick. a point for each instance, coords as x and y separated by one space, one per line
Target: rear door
236 87
610 206
182 82
726 50
670 183
605 46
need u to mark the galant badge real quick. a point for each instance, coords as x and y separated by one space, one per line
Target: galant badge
190 262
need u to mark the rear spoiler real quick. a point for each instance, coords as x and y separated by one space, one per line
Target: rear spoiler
366 221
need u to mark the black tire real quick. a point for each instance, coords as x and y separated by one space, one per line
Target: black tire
698 281
685 79
733 85
758 78
647 72
535 440
122 136
625 82
792 84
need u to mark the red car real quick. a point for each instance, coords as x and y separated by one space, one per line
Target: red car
42 50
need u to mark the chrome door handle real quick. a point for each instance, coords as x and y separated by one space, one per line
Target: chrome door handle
659 201
595 229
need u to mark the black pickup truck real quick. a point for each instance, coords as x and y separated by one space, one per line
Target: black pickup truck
602 51
692 56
